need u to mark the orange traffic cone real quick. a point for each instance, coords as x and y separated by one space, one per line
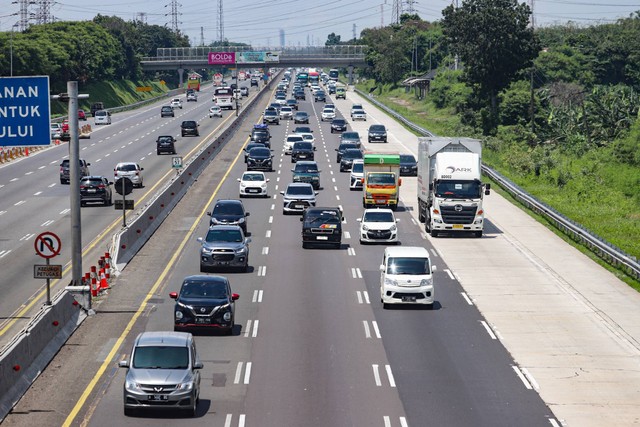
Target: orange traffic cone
103 281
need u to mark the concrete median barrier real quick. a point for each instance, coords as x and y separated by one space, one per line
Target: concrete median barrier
28 354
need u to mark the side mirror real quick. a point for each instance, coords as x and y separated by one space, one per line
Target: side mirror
359 219
123 364
209 213
234 297
200 239
314 148
173 295
247 214
268 180
434 268
198 365
110 183
247 240
141 169
399 182
301 219
397 219
316 192
381 267
239 179
282 192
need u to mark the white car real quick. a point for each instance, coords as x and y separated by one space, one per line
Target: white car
102 117
328 114
355 107
286 113
282 100
332 106
215 111
406 276
378 226
130 170
56 130
289 141
357 173
358 115
176 103
253 183
192 97
308 137
314 89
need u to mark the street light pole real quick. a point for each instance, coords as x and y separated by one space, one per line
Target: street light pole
236 89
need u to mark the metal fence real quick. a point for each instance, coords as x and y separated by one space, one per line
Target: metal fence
605 250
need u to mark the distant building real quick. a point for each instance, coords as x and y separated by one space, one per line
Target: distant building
281 38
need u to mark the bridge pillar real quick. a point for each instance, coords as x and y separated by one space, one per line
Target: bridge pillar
181 75
350 74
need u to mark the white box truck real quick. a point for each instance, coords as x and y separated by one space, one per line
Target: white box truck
450 189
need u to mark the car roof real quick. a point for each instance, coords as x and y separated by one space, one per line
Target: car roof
229 201
407 251
299 184
225 227
166 338
126 163
378 210
92 177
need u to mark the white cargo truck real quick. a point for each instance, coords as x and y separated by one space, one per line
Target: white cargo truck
450 189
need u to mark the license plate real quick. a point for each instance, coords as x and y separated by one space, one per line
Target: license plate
253 191
298 206
203 320
408 299
91 190
458 226
157 397
322 238
380 202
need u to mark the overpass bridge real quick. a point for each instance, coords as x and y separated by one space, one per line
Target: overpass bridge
183 58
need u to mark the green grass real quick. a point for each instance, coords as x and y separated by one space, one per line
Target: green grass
593 190
113 94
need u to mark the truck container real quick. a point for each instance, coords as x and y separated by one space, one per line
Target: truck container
381 180
450 190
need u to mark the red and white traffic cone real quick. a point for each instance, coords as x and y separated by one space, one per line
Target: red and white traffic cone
103 281
94 286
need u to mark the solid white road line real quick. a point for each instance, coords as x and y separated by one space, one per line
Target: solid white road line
392 381
376 330
532 380
488 328
255 329
247 329
236 380
247 373
367 332
450 274
522 378
466 297
376 375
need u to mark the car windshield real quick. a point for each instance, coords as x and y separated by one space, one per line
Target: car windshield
259 152
382 178
344 147
166 108
378 217
294 139
352 153
413 266
260 134
407 158
228 209
189 124
127 167
101 113
211 289
303 146
306 167
328 111
358 168
322 217
301 114
306 190
163 139
91 181
271 113
286 109
161 357
351 135
217 235
458 189
302 129
253 177
376 128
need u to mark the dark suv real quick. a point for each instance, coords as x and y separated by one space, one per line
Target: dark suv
64 170
377 133
260 158
166 144
167 111
302 151
344 147
261 136
229 212
338 125
204 302
95 189
271 115
322 226
189 127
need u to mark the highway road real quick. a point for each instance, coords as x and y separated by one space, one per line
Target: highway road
312 345
33 200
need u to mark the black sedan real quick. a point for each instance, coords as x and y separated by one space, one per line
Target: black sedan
408 165
250 146
95 189
338 125
204 302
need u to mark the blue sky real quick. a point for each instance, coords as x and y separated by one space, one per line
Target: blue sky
259 21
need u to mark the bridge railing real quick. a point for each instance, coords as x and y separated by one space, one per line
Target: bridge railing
202 52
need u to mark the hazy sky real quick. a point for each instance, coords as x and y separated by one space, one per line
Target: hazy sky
259 22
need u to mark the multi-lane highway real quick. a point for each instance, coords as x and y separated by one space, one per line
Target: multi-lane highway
312 345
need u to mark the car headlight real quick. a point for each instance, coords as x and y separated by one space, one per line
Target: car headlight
241 250
241 220
393 228
214 221
206 251
185 386
364 227
227 316
426 282
179 315
368 195
390 282
132 385
436 220
264 186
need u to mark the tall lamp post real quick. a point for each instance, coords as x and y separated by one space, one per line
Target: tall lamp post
11 51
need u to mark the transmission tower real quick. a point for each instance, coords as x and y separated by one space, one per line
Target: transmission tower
410 8
396 11
354 31
23 21
174 15
220 22
141 17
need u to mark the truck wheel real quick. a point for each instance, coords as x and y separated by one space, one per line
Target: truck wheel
393 207
420 214
434 233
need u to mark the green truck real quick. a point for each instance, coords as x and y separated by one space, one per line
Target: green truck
381 180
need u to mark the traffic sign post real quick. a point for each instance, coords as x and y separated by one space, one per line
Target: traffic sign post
124 186
47 245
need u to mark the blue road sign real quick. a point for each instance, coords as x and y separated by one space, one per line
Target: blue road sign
25 111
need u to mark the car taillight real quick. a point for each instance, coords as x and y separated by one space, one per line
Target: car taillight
82 187
101 186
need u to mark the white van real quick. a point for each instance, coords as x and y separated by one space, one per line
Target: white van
406 276
102 117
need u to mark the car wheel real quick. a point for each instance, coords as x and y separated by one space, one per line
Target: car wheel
305 245
158 152
193 408
129 412
83 204
337 245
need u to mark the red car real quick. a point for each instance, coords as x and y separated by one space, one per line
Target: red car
82 115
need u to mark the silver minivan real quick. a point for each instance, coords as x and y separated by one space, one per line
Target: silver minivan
102 117
163 372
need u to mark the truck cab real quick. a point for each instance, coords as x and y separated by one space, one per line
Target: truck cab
381 180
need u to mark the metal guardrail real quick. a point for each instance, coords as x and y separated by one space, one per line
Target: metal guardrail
605 250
